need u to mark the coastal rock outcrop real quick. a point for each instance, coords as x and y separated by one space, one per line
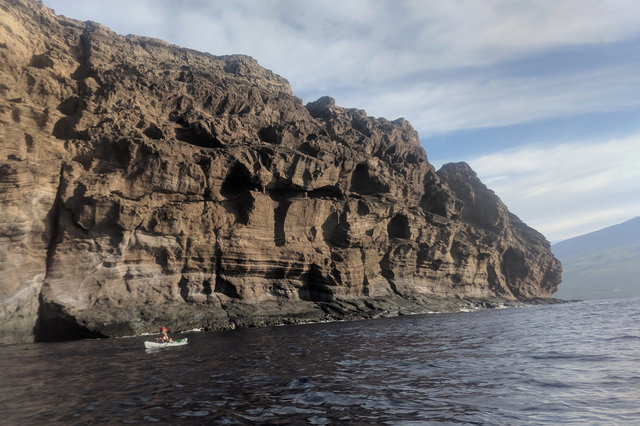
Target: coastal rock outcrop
143 183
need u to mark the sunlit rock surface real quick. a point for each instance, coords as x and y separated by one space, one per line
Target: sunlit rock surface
143 184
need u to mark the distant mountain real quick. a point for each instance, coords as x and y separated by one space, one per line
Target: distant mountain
604 264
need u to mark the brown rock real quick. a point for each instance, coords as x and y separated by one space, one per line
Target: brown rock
146 183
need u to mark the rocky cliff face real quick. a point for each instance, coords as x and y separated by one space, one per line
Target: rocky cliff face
143 183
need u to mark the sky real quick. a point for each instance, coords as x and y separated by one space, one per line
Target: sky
540 97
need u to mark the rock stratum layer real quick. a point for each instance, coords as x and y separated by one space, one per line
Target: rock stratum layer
143 183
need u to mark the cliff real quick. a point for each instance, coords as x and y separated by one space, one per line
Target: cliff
143 183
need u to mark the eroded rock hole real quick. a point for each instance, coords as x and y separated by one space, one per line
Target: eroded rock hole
238 181
154 132
329 227
70 105
236 188
223 286
270 135
514 266
309 149
279 217
317 286
198 136
435 202
28 139
15 114
55 324
413 159
329 191
41 61
398 227
365 183
363 208
206 288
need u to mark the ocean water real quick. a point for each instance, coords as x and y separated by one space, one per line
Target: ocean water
570 363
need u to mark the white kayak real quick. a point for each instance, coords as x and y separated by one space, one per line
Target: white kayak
158 345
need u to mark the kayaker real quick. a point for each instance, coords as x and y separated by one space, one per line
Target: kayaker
164 337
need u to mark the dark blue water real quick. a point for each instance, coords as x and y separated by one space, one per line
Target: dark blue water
570 363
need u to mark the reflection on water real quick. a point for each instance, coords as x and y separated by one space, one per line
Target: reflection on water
560 363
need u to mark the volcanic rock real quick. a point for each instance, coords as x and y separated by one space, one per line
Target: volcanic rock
143 184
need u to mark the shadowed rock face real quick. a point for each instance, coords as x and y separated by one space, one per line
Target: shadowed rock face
143 183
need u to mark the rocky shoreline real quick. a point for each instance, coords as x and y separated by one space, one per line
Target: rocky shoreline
135 321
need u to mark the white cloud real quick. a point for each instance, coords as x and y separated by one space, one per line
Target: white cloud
436 107
567 189
379 55
480 32
562 226
335 40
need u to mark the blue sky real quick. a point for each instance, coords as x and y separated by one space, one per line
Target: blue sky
541 98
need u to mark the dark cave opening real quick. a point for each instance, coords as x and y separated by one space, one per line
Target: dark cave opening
398 227
364 183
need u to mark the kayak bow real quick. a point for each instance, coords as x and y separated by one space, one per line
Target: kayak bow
157 345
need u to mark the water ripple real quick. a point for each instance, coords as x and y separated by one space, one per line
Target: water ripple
572 363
